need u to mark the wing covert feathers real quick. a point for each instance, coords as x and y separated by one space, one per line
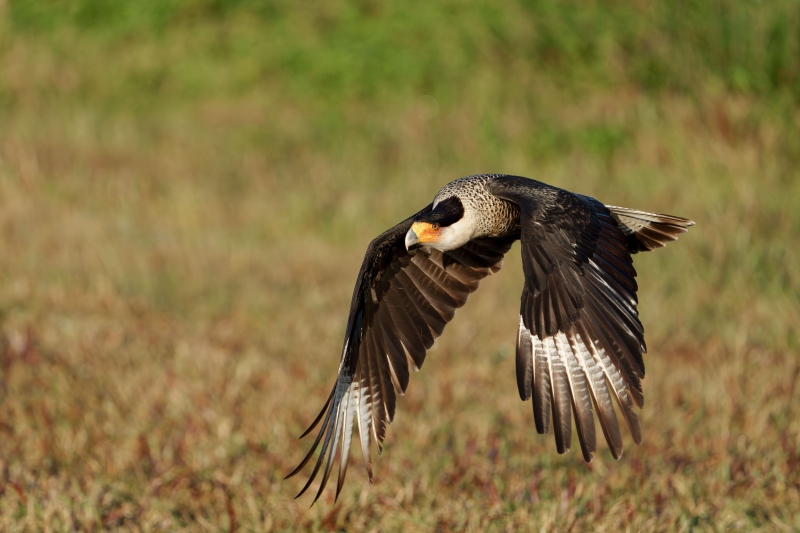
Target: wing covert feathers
402 301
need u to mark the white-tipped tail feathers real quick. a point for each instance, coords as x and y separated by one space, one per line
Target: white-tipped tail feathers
652 230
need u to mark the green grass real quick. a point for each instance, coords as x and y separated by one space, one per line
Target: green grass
186 192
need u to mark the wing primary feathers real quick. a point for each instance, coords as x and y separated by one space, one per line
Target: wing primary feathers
450 280
615 380
388 397
324 430
581 398
368 375
625 283
316 441
406 331
347 435
398 366
626 406
524 361
363 422
562 413
541 386
419 310
595 371
331 439
568 310
319 416
426 300
430 288
627 366
537 320
626 327
550 327
626 307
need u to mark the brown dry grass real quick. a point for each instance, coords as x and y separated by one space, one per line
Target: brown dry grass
176 278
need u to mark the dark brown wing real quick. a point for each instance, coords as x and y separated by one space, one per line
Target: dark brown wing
580 341
401 303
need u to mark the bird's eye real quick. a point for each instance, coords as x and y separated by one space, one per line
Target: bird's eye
435 226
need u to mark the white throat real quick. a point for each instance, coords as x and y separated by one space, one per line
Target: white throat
455 235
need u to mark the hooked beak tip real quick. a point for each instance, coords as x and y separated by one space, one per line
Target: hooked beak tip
412 241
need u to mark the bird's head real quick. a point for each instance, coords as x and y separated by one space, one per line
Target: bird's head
444 227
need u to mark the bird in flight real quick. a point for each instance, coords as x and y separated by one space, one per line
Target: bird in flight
579 343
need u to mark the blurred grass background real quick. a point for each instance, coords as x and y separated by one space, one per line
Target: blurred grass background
187 188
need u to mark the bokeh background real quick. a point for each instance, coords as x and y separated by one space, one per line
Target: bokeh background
187 188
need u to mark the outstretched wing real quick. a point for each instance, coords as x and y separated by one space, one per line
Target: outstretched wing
580 342
401 303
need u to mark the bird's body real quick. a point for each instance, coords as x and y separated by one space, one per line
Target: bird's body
579 342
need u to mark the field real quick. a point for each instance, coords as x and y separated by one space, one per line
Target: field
187 188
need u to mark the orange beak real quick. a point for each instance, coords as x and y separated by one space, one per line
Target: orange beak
421 233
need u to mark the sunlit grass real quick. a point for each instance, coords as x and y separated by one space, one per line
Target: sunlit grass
185 200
